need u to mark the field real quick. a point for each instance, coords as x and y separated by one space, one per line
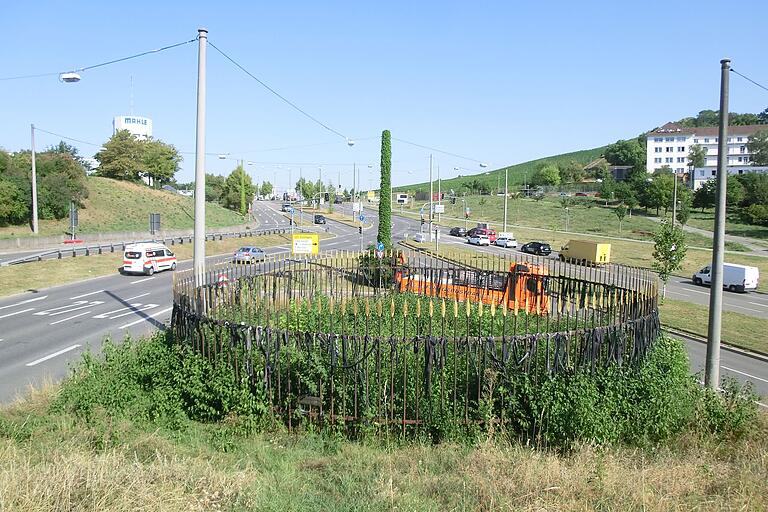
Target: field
122 206
733 226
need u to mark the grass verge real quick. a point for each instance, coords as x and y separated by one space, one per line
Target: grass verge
33 276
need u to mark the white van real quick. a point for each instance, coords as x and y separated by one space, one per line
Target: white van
147 258
736 278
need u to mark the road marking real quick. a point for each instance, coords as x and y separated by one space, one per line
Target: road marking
759 304
24 302
105 315
86 295
51 356
142 280
17 313
138 296
145 319
92 304
144 308
695 291
69 318
76 303
742 373
742 307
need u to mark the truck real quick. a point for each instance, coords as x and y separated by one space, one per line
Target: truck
586 252
736 278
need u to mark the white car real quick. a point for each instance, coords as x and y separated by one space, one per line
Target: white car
479 240
420 237
506 242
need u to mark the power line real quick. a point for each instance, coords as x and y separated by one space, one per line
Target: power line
437 150
270 89
749 79
37 129
94 66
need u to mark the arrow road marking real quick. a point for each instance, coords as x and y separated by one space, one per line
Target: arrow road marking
145 319
51 356
105 315
48 311
24 302
69 318
146 307
17 313
93 303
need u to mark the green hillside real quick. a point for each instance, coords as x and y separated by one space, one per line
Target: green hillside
517 173
122 206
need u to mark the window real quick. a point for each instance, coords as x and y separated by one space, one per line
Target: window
706 140
670 149
739 139
715 140
729 139
743 149
746 159
714 173
681 139
695 141
681 169
741 171
681 148
133 255
681 159
669 160
739 159
657 150
658 139
657 160
670 139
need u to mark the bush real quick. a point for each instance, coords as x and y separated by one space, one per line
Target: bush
755 214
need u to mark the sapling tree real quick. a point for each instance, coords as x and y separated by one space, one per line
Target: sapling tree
668 252
621 212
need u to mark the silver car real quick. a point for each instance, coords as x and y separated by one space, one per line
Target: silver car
248 254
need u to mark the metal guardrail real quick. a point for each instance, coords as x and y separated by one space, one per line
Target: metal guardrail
88 250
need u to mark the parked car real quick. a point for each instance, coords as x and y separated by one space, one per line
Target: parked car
506 241
538 248
457 232
248 254
319 219
581 194
736 278
286 207
479 239
147 258
491 234
420 237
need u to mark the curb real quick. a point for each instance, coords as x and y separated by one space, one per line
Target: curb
760 356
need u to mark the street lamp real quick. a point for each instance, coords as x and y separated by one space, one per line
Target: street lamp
69 77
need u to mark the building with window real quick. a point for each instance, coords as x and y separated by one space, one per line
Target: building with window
140 127
670 144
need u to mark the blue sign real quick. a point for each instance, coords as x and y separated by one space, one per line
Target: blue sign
362 218
380 246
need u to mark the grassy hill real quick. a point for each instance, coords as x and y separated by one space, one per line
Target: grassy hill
122 206
517 173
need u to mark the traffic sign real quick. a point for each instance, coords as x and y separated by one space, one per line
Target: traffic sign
305 243
362 218
380 246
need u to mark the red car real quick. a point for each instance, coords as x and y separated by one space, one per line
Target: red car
581 194
491 234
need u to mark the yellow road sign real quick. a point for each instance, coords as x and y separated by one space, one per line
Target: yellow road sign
305 243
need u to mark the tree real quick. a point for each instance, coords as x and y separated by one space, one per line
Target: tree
755 188
266 189
704 197
121 158
572 172
734 193
305 188
237 183
214 188
625 152
683 213
659 192
385 207
763 116
160 162
621 212
548 174
697 156
608 189
668 252
758 146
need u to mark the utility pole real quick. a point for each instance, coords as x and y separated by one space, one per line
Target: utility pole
506 193
198 255
712 375
35 227
439 192
431 195
674 201
354 190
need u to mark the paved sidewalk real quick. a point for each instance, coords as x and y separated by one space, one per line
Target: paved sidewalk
756 247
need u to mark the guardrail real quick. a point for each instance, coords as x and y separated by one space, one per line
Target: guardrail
88 250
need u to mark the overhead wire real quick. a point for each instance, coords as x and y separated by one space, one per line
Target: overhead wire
94 66
283 98
38 129
749 79
437 150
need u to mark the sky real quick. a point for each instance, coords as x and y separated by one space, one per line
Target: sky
496 82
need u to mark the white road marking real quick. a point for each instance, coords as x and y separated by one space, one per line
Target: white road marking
51 356
759 304
92 304
17 312
744 374
144 308
24 302
142 280
76 303
742 307
138 296
145 319
86 295
69 318
105 315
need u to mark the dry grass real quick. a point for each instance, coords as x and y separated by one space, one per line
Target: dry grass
34 276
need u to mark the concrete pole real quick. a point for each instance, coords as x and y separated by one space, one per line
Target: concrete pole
430 195
506 193
198 258
439 192
35 227
712 375
674 201
354 188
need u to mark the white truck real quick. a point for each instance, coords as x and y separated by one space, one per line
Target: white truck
736 278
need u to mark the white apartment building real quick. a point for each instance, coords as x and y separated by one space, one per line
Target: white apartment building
670 144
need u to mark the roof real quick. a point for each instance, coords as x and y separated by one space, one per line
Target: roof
706 131
144 245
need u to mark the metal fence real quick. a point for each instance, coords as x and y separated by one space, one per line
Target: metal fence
408 338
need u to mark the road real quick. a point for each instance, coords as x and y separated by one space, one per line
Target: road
43 331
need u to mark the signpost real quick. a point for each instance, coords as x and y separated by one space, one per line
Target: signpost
380 250
154 223
73 220
305 243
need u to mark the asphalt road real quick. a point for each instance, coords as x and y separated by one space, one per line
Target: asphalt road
43 331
